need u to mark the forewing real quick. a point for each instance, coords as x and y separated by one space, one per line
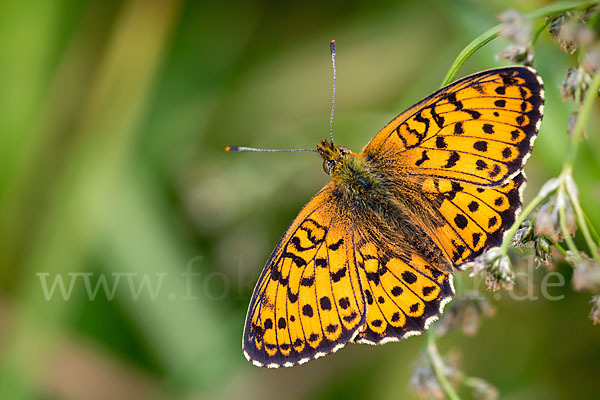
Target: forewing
308 300
479 129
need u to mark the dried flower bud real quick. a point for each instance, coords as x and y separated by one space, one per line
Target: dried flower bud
424 382
504 274
481 389
547 221
573 34
517 54
523 235
586 272
517 28
566 37
555 25
575 84
543 251
570 83
595 312
466 312
496 268
591 61
563 202
570 29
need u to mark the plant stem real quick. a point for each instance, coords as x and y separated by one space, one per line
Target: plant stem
584 226
584 112
468 51
594 233
560 248
539 31
563 223
492 33
438 366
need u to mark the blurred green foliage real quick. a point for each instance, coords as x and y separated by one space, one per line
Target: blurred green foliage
114 116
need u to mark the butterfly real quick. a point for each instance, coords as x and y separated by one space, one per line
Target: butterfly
369 259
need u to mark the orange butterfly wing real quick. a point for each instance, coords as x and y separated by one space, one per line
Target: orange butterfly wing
466 145
326 284
309 300
403 292
479 129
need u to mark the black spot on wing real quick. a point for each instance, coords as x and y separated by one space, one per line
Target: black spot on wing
452 159
336 245
480 145
461 221
440 142
424 157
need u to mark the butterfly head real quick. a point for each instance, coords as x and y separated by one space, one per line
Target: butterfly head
332 155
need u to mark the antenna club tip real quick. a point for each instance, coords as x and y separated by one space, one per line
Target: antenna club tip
332 46
332 41
230 149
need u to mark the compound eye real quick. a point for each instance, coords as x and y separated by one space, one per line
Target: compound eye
328 166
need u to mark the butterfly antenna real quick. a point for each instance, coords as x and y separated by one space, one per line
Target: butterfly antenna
233 149
332 50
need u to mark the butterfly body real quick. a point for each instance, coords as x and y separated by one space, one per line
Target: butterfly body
385 209
369 259
353 178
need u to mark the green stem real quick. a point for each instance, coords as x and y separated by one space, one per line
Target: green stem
594 233
492 33
584 112
584 226
468 51
438 366
560 248
563 222
541 29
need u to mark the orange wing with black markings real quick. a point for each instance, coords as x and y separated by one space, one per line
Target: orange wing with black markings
326 285
308 301
479 129
465 147
475 218
403 292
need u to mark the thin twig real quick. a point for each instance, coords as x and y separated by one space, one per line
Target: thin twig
438 366
563 222
539 31
584 226
584 112
592 229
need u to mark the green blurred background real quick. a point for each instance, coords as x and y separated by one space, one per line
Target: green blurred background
113 120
